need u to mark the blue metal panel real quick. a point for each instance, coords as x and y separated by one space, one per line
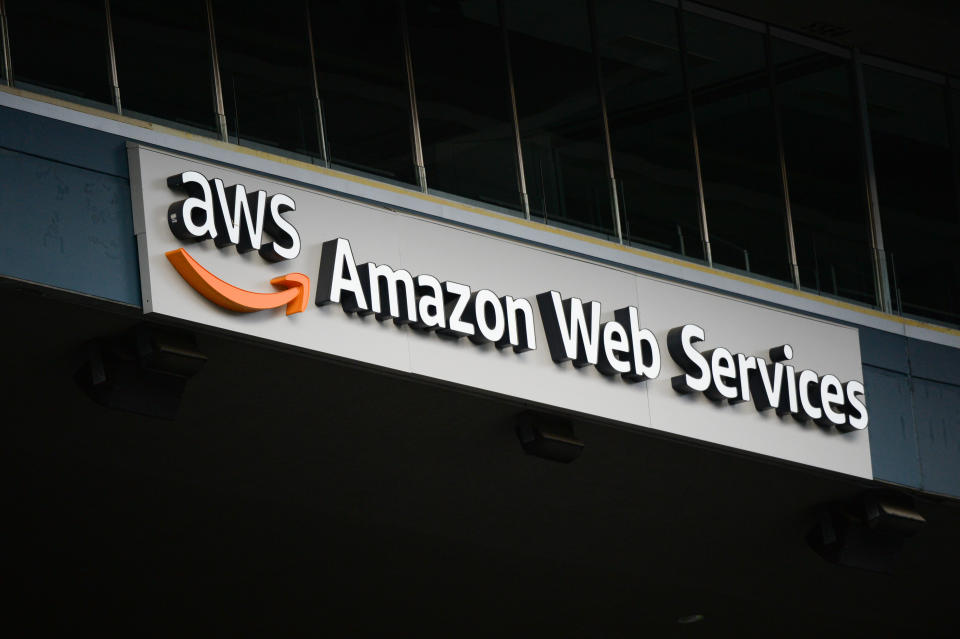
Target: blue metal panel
67 227
883 349
893 440
933 361
63 142
938 435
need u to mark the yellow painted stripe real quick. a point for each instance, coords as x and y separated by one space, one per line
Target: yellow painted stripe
473 209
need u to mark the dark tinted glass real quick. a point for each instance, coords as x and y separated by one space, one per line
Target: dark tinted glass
160 46
3 44
363 85
916 191
649 125
559 107
463 100
955 133
824 161
735 126
61 46
266 75
955 104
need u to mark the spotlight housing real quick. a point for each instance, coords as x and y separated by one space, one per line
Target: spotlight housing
868 533
548 437
143 372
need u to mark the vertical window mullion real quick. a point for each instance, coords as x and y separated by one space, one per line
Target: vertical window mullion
782 158
217 86
416 141
604 121
704 227
112 53
318 105
521 175
5 43
953 130
881 277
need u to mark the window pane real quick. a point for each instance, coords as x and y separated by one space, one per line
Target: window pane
3 75
739 159
363 85
649 125
824 161
559 107
163 46
266 75
955 102
955 137
916 192
463 100
61 45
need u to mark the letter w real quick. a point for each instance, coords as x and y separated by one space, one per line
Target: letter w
247 237
571 332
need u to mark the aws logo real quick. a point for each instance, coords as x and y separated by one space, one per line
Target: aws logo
229 215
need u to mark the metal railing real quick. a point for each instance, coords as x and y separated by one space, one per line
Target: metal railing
887 295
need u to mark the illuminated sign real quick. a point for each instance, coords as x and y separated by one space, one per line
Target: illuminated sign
243 218
307 259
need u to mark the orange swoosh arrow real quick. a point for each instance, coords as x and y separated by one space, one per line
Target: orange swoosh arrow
295 296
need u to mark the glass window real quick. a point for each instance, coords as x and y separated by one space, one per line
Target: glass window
955 103
559 108
266 76
738 149
363 86
955 133
649 125
821 140
463 100
162 46
916 191
61 46
3 44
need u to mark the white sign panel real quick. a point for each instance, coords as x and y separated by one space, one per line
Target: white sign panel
261 257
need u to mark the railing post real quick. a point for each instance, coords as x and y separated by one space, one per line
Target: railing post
782 158
217 84
953 128
521 172
604 121
702 202
114 80
881 279
317 104
417 141
5 38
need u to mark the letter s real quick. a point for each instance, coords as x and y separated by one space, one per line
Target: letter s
857 418
286 244
680 342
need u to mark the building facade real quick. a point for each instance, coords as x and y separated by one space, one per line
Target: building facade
578 181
